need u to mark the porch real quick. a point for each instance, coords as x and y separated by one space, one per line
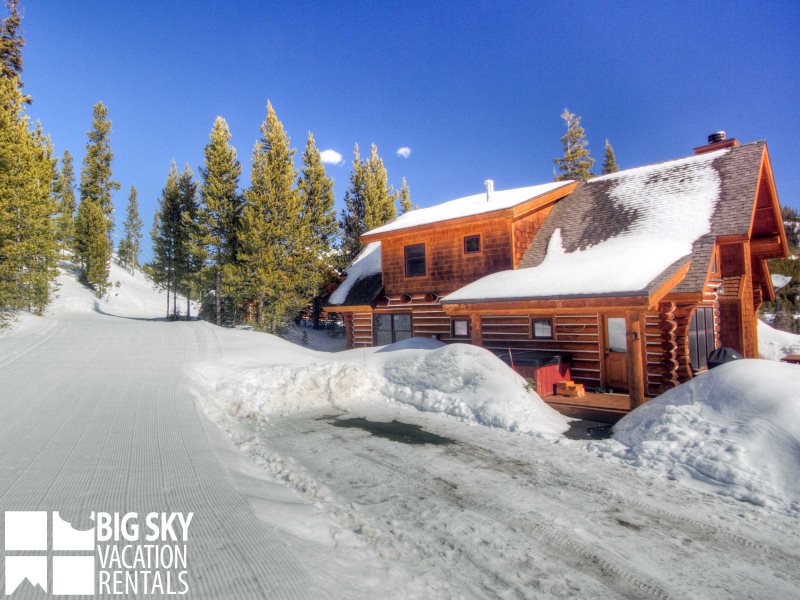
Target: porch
606 408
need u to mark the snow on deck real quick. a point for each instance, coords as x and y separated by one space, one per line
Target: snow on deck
673 204
468 206
368 262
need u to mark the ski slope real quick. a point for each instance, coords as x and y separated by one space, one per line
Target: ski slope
105 405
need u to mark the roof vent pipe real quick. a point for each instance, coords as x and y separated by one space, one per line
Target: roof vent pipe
489 189
717 137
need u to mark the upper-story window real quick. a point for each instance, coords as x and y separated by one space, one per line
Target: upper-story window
472 244
415 260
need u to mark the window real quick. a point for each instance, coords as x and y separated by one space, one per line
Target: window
415 260
472 244
701 337
392 328
460 327
542 328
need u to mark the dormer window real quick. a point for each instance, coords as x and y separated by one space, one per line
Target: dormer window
415 260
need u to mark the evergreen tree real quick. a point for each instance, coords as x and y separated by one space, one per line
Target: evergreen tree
369 201
278 257
316 192
11 44
610 160
576 164
165 235
221 207
92 246
405 198
96 182
65 204
190 255
132 234
28 246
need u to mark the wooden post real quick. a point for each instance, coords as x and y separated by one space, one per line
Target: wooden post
475 326
636 354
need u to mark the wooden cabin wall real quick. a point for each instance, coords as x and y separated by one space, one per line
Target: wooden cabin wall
427 317
575 334
738 302
525 229
361 330
347 319
448 267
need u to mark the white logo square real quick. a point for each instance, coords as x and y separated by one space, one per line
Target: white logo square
73 575
26 530
20 568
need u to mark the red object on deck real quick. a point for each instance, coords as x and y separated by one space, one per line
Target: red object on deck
792 358
546 377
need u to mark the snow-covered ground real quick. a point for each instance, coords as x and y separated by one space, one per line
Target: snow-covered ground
298 491
774 344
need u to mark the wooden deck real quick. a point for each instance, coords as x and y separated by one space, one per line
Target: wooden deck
608 408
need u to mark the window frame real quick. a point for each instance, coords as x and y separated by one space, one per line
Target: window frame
392 329
473 252
552 335
424 259
453 328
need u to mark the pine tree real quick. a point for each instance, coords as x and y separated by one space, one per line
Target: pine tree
190 255
222 206
277 253
11 44
132 234
65 203
369 201
316 192
405 198
610 161
165 234
576 164
92 246
28 246
96 182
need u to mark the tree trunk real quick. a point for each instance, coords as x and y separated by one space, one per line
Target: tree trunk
188 303
218 291
167 297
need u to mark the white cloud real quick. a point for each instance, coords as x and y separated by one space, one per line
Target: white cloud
330 157
404 152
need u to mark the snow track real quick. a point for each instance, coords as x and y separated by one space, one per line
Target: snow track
94 415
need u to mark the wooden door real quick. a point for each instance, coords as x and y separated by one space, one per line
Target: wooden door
616 353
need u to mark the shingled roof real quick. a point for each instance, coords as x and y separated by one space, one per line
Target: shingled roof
593 239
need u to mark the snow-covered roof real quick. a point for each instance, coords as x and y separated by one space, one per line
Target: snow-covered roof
468 206
363 279
615 235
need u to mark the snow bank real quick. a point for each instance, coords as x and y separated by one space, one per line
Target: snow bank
735 429
774 344
675 213
460 380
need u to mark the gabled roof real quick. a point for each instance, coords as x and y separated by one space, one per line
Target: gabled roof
363 282
628 233
468 206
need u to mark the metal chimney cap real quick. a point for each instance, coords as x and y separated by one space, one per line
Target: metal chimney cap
716 137
489 184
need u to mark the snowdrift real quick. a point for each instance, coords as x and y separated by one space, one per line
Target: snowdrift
735 429
460 380
774 344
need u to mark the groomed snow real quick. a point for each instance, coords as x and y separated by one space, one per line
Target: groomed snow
774 344
735 429
468 206
670 216
269 376
368 262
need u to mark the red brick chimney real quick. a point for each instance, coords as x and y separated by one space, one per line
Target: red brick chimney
717 141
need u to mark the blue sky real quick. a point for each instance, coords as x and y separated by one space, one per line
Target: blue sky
474 89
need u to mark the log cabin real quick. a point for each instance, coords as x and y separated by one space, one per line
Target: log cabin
624 283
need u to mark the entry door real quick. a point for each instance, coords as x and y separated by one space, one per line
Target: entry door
616 354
